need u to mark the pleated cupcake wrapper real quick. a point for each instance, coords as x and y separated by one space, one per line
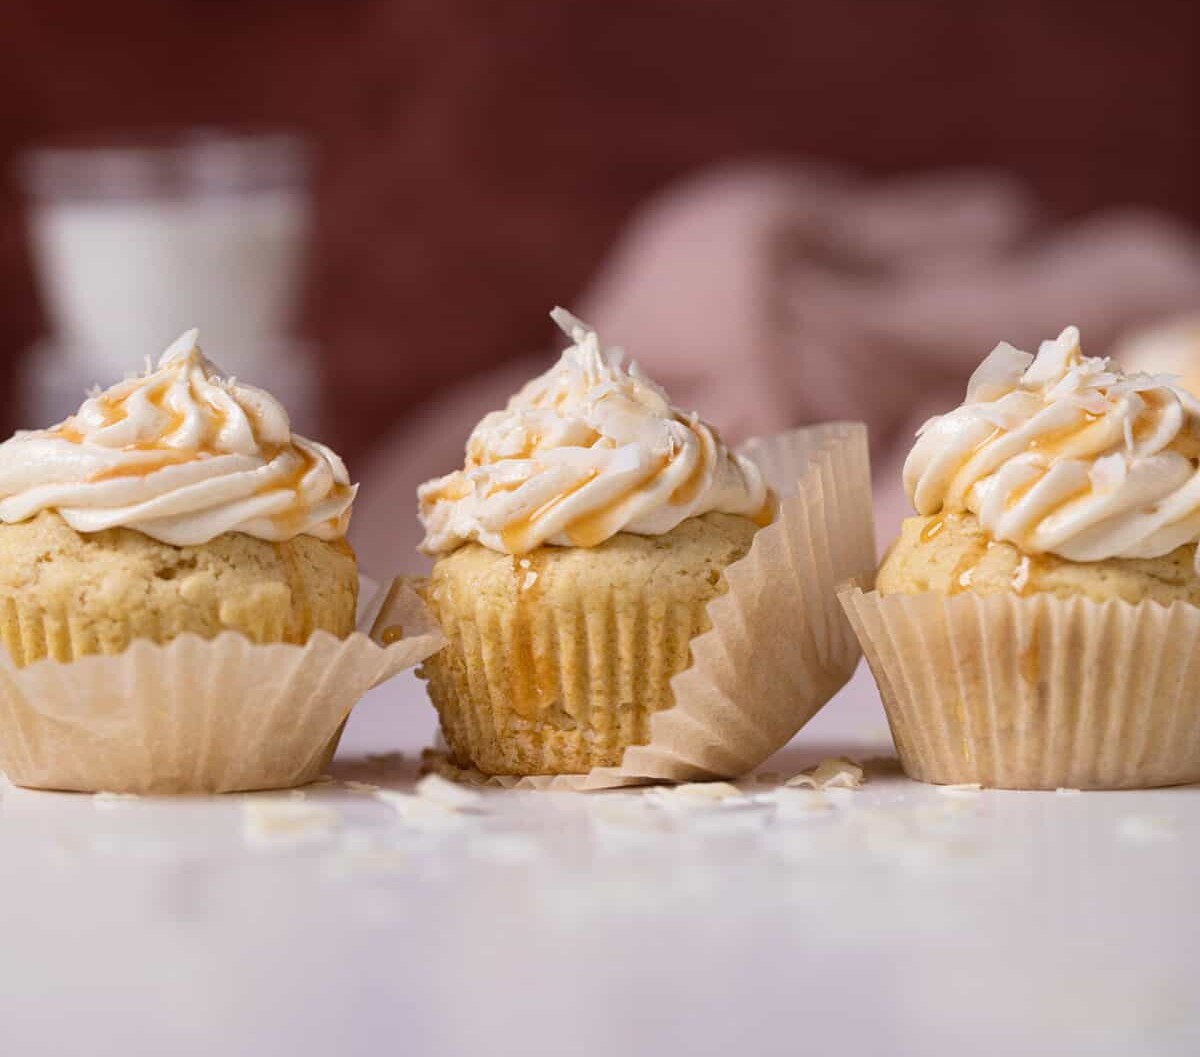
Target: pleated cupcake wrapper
202 715
542 690
1035 692
780 646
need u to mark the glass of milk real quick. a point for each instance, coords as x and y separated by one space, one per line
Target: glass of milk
136 241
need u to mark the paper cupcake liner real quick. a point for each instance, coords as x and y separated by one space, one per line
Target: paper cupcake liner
202 715
564 659
1035 692
780 646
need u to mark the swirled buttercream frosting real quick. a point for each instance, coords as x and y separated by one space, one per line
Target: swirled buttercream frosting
588 449
181 454
1066 454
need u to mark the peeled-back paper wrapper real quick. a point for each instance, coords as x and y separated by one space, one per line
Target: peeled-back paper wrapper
1035 691
779 647
203 715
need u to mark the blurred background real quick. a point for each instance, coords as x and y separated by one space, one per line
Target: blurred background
787 211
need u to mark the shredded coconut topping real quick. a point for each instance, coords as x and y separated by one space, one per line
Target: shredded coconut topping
588 449
1067 454
834 773
181 454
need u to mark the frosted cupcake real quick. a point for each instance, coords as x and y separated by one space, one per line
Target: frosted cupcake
176 501
1035 624
577 553
177 599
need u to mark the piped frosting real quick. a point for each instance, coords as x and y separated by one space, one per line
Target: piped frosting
181 454
588 449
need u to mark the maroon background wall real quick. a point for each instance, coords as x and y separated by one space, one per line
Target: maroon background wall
479 155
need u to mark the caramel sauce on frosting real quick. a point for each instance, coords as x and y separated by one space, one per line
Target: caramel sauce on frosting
1066 454
588 449
181 454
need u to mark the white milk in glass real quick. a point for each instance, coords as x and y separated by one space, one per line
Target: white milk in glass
121 279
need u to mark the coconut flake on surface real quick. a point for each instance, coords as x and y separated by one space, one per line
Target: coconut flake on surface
799 802
435 801
449 794
695 795
106 798
834 773
267 822
959 789
360 787
1064 790
1146 829
420 811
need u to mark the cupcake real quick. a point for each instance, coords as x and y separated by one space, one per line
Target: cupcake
177 598
177 501
1035 625
581 555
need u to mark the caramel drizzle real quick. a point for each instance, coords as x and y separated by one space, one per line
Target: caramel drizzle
933 529
686 493
164 459
515 537
967 564
537 682
594 527
1029 660
1052 445
115 411
1055 442
768 512
1022 490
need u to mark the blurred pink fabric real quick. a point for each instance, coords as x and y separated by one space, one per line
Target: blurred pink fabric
776 295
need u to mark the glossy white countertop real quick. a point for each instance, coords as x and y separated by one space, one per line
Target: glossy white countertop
902 920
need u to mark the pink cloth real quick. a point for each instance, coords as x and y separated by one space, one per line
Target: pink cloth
772 296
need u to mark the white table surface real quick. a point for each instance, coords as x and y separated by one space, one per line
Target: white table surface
903 920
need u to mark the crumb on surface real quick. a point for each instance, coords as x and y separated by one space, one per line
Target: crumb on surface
834 773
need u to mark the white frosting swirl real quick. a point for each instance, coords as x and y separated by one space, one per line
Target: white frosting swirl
585 451
180 454
1067 454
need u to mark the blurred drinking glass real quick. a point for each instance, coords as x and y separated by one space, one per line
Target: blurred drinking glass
136 241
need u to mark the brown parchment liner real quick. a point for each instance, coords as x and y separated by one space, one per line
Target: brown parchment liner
1035 691
202 715
780 646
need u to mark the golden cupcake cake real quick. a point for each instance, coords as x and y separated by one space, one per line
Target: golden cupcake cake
175 502
577 554
177 597
1035 624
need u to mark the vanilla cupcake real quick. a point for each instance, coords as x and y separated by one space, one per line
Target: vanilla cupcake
1036 624
177 599
577 553
175 502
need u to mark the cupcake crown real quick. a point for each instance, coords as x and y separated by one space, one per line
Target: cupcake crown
181 454
1065 453
588 449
